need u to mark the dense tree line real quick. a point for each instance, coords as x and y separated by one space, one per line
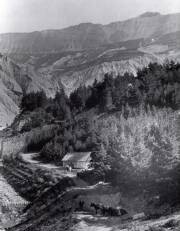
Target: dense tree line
156 84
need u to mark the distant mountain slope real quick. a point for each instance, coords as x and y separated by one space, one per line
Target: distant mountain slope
88 35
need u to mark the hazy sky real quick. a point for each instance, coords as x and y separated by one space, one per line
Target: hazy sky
31 15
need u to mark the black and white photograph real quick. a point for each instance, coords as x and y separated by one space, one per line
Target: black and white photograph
89 115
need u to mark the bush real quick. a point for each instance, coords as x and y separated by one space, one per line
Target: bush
52 152
92 176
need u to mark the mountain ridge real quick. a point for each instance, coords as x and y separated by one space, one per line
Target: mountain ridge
89 35
89 23
145 14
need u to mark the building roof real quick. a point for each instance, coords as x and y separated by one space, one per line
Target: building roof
77 157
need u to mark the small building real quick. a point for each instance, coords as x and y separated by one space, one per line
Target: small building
77 160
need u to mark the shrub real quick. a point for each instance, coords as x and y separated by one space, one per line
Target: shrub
52 152
92 176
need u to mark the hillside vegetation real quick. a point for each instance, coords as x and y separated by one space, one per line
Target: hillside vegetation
129 123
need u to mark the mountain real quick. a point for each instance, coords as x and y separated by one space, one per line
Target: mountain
77 55
88 35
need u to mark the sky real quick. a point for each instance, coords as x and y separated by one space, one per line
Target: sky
33 15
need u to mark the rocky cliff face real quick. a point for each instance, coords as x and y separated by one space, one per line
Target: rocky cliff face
10 90
15 80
